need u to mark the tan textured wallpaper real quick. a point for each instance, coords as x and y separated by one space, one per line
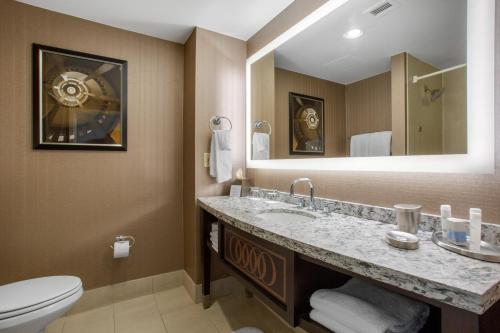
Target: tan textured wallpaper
385 189
60 210
333 95
216 86
368 105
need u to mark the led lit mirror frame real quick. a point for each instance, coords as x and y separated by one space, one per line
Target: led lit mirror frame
480 106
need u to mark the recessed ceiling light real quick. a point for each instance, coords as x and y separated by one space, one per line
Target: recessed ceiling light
353 33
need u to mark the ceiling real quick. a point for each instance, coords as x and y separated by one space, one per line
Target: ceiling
434 31
173 19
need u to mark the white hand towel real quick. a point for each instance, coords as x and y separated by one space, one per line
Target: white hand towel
359 145
260 146
408 312
352 312
221 167
330 323
382 310
371 144
380 144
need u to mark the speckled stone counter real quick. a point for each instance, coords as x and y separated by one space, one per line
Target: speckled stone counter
357 244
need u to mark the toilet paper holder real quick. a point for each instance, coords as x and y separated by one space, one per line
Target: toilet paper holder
122 238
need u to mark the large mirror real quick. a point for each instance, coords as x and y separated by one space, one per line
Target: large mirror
371 78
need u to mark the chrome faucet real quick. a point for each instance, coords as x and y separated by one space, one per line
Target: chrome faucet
311 188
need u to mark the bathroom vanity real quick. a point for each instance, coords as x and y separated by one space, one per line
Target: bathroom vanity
282 254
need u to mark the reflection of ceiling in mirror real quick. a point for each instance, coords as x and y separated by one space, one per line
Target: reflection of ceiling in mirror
434 31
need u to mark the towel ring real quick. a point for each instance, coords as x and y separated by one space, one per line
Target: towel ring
259 124
217 121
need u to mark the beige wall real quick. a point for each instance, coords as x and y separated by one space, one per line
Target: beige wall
398 103
60 210
263 101
334 108
385 189
216 84
424 117
455 112
368 105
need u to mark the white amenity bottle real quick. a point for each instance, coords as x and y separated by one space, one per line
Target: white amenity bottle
475 229
445 215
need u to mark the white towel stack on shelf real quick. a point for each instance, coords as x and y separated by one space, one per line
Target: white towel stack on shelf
214 236
358 307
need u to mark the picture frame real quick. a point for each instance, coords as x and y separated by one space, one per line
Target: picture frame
306 125
79 100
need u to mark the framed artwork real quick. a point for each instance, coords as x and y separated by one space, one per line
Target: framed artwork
306 125
79 100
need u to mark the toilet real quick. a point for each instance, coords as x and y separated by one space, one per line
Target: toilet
29 306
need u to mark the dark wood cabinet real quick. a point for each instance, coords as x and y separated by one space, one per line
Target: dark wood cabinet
266 267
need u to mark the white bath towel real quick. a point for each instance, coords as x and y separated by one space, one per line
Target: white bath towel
380 144
221 166
359 145
371 144
330 323
366 308
351 312
260 146
408 312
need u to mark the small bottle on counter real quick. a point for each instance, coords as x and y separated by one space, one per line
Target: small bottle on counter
475 229
457 231
445 215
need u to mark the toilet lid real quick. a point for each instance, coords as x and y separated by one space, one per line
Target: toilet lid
25 296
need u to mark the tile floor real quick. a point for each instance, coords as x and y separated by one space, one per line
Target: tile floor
172 311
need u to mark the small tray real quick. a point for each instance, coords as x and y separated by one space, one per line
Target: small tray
487 252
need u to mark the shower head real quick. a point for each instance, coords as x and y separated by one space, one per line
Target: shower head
435 93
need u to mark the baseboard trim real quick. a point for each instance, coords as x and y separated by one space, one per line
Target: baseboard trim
102 296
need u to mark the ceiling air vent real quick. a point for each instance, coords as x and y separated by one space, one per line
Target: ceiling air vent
382 8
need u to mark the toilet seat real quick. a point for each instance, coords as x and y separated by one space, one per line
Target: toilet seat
27 296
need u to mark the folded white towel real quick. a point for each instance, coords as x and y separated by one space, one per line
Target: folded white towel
407 311
380 144
359 145
260 146
330 323
382 310
352 312
215 226
221 167
371 144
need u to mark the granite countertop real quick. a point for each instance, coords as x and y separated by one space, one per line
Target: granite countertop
358 245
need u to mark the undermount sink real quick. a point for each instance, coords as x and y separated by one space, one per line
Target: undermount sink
286 216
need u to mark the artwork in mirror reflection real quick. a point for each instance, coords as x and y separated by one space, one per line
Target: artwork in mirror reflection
396 86
306 124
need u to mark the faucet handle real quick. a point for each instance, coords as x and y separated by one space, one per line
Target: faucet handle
302 202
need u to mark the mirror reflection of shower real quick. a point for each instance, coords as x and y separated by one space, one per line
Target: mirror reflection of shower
434 93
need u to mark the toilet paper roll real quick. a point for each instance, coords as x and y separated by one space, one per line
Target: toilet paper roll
121 249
